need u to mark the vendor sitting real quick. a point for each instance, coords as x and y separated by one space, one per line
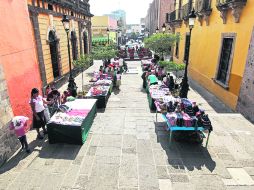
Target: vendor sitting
152 79
55 97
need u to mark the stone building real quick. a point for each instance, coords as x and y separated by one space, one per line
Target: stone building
156 14
33 53
51 39
220 48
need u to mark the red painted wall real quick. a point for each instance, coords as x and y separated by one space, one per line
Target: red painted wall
18 56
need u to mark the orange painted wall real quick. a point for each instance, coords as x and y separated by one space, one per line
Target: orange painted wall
18 56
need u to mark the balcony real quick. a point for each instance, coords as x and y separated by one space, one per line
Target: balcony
174 18
186 10
80 6
203 10
235 5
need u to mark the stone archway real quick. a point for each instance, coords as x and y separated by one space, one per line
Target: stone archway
54 53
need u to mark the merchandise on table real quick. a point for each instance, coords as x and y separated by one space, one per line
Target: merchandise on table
98 91
103 82
73 125
182 114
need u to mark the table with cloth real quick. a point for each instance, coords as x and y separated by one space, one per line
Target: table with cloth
101 91
145 63
72 126
155 92
185 117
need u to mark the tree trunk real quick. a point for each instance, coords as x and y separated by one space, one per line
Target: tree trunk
82 80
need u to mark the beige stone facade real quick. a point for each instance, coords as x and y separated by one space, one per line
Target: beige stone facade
46 18
8 140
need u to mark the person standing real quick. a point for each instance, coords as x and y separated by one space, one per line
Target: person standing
19 124
37 105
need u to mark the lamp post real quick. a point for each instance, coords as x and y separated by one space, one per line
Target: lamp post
185 86
119 37
108 35
72 85
163 28
157 30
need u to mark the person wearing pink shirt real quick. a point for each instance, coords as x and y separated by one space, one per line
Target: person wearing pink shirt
19 124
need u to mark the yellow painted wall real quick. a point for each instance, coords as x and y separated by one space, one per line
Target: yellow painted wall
44 24
205 51
100 21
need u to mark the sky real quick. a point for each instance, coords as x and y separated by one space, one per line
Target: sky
135 9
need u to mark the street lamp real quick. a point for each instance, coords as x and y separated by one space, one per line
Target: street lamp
108 35
163 28
72 85
185 86
119 37
157 30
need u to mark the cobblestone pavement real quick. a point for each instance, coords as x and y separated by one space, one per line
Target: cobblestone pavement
126 149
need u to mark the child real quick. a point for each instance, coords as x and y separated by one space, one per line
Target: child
64 97
118 79
18 124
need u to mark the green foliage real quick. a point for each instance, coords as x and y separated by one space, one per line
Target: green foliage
172 66
84 61
104 52
160 42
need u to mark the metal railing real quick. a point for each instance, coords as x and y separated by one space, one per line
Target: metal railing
186 10
175 15
224 2
202 5
78 5
171 16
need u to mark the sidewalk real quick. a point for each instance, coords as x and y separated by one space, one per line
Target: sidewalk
127 150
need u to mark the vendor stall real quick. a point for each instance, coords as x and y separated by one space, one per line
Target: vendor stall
101 91
145 63
155 92
181 114
72 124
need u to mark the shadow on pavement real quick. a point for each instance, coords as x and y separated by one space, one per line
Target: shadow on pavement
116 91
45 150
184 156
212 100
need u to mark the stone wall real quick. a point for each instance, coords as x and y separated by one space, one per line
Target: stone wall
8 141
246 97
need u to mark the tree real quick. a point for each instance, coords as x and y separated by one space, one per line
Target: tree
172 66
104 53
82 63
160 43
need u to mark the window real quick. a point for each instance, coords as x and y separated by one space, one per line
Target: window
50 7
85 43
225 60
177 50
187 47
74 45
53 45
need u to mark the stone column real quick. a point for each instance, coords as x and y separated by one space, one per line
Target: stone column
34 19
80 28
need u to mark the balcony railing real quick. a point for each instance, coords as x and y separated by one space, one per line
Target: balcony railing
225 2
75 5
173 16
186 10
202 5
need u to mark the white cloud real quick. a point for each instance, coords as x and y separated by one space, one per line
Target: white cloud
135 9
